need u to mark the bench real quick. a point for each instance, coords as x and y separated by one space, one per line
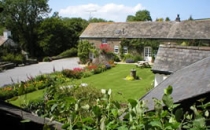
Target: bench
142 64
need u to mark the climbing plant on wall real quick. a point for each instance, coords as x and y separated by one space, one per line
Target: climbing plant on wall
84 49
139 44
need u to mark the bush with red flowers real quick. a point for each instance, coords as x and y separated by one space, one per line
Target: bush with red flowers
105 48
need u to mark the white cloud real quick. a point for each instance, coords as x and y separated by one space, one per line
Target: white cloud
111 11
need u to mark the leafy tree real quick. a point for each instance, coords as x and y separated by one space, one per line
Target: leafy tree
54 36
130 18
167 19
77 25
97 20
22 17
141 15
159 20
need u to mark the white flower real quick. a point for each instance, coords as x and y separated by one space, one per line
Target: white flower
86 107
103 91
110 91
84 84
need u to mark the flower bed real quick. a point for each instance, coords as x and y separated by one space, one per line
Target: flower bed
46 80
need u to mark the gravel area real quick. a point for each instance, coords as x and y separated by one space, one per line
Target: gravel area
18 74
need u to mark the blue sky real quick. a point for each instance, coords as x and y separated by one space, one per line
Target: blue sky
118 10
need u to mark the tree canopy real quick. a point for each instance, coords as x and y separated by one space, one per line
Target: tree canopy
58 34
141 15
96 20
167 19
23 17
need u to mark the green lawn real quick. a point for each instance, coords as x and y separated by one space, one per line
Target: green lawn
112 79
28 97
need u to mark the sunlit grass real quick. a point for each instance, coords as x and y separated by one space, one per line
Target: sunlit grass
111 79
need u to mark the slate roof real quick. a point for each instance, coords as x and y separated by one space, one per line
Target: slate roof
188 82
171 58
199 29
2 40
13 110
6 42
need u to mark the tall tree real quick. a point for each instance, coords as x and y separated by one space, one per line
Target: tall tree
141 15
57 34
22 17
77 25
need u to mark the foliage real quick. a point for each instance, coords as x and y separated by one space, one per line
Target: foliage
84 48
69 53
190 18
159 20
101 112
97 20
167 19
22 17
15 58
54 36
139 45
47 59
105 48
141 15
32 84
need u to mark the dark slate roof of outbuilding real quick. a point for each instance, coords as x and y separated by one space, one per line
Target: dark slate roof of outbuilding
171 58
189 82
157 30
25 115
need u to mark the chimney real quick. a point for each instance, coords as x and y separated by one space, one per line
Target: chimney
7 34
177 18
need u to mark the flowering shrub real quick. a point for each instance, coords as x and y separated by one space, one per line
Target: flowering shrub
75 73
92 67
105 48
68 73
46 80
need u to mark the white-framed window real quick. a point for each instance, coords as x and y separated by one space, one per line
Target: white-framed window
125 49
104 41
116 49
147 52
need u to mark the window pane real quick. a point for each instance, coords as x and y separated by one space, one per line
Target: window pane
104 40
116 49
125 49
147 51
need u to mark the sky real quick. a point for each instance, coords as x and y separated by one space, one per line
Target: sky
118 10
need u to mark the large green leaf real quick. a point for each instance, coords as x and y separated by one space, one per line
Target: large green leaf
178 114
168 90
167 100
156 124
132 102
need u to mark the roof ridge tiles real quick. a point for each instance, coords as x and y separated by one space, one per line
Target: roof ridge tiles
186 47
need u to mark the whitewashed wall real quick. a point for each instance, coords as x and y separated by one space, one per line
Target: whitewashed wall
159 78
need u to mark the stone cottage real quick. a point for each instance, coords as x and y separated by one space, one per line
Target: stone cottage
170 32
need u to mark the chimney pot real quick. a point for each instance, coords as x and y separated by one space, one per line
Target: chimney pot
178 18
